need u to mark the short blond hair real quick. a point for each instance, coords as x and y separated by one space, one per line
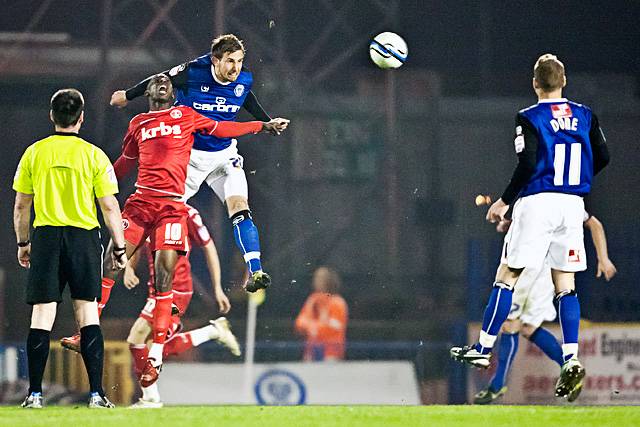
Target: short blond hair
548 72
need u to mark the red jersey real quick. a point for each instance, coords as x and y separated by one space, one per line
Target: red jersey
162 140
198 236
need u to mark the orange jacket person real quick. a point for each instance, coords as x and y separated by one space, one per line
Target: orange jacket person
323 318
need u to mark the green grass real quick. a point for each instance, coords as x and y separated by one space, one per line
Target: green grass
326 416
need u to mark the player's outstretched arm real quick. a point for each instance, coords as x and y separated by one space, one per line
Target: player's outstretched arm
178 76
213 265
253 106
605 266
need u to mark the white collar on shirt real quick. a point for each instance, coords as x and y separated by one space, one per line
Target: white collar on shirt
213 73
553 100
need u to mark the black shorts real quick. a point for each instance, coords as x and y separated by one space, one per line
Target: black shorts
61 255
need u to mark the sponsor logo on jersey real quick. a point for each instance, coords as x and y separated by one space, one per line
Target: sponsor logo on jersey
574 255
160 130
204 88
176 114
111 174
518 142
220 106
239 90
561 110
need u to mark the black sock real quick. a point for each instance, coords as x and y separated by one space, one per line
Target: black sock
92 349
37 355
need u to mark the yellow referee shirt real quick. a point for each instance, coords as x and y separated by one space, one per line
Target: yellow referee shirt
65 174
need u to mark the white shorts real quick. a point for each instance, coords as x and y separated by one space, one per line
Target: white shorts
533 297
546 226
222 170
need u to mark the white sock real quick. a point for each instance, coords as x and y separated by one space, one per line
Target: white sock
204 334
151 393
486 340
570 351
155 352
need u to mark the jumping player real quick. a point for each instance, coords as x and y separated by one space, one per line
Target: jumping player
560 147
217 86
178 342
161 142
532 305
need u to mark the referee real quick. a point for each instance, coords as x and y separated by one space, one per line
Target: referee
61 176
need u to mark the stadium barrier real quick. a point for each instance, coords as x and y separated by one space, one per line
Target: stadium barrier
610 353
67 369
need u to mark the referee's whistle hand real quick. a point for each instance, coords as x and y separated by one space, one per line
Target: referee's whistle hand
24 256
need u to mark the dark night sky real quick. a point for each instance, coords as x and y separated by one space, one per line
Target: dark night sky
442 35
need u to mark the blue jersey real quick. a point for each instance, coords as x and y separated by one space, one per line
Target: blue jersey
217 101
564 162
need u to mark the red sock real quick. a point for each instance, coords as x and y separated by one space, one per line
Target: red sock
162 316
107 284
139 354
178 344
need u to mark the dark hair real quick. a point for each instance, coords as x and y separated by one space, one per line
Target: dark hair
332 279
66 107
549 73
225 43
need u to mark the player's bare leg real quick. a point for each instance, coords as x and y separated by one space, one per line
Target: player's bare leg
247 239
496 312
572 373
108 280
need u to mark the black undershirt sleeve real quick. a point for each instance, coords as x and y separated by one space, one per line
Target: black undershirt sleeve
598 146
526 142
254 108
178 76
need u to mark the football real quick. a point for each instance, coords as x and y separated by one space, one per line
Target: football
388 50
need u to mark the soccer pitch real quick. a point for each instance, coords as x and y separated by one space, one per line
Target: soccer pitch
326 416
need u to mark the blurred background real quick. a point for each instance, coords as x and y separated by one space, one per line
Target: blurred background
377 174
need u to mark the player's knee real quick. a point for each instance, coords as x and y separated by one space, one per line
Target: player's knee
236 205
528 330
86 312
43 316
511 326
139 332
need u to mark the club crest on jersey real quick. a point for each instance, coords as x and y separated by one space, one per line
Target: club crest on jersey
561 110
239 90
125 223
204 88
160 130
176 114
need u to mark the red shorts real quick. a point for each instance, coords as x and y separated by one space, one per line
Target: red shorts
162 219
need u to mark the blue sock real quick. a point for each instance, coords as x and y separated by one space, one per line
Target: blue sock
247 239
508 347
548 344
569 314
495 314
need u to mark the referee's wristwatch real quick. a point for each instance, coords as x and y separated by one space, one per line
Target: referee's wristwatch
23 244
